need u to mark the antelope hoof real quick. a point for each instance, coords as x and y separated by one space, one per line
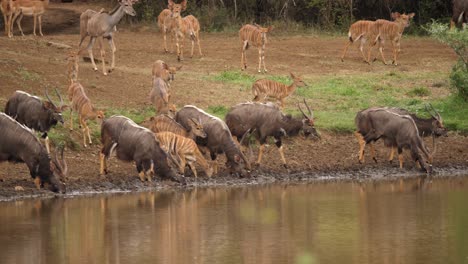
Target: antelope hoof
342 60
95 69
374 59
361 161
375 160
265 70
286 166
105 73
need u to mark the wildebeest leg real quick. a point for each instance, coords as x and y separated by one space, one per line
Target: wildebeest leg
392 153
362 145
39 18
37 182
400 157
46 141
113 50
372 152
243 58
103 163
106 152
103 55
92 40
280 149
214 163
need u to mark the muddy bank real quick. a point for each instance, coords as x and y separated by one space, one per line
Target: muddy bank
334 158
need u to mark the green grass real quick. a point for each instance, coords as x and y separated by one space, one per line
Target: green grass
419 91
27 75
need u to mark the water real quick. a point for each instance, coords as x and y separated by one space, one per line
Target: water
377 222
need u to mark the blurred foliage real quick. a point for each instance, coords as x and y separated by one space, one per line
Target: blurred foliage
458 41
216 15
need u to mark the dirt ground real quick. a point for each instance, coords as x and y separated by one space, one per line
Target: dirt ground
29 64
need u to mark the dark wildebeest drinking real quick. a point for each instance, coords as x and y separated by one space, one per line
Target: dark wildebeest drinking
19 144
460 13
426 127
267 120
219 139
396 130
34 113
134 143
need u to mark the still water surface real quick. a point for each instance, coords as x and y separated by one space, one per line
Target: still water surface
375 222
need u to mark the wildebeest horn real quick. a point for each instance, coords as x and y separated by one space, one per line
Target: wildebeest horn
247 133
437 113
60 96
48 98
310 112
438 117
305 116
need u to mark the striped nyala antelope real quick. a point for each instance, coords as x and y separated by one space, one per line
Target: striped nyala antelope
392 31
188 25
72 66
184 149
86 111
362 31
257 36
164 71
265 88
163 123
160 96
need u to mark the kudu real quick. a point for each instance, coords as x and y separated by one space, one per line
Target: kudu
34 8
102 25
257 36
19 144
219 138
267 88
35 113
132 142
396 130
426 127
267 120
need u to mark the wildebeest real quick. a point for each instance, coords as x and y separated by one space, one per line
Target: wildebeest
267 120
19 144
460 13
426 127
34 113
219 139
134 143
396 130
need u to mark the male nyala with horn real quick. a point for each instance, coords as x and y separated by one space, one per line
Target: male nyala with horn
219 139
132 142
35 113
396 130
19 144
267 120
432 126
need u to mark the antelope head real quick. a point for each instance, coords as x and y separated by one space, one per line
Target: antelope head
438 128
176 9
128 6
308 125
196 128
56 111
59 170
403 19
297 80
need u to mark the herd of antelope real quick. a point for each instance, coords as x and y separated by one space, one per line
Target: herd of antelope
168 142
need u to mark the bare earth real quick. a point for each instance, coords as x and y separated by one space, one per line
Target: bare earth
29 64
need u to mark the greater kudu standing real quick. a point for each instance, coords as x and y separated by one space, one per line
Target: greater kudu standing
102 25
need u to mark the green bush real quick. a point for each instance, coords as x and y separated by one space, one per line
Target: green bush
459 80
458 41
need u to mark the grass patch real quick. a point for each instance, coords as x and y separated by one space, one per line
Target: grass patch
26 75
419 91
218 110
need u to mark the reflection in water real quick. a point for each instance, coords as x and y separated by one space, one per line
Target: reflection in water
405 221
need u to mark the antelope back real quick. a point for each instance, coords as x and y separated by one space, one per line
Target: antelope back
255 35
361 28
163 123
173 143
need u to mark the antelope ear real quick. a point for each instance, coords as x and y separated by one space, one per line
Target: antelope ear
184 5
395 15
170 4
411 15
292 75
165 66
270 28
